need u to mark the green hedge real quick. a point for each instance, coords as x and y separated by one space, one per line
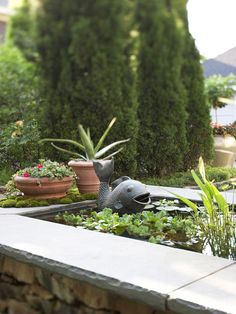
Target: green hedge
182 179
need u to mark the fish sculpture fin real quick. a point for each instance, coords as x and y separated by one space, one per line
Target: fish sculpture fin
118 205
104 169
115 183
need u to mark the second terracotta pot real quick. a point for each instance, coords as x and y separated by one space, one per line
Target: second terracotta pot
87 181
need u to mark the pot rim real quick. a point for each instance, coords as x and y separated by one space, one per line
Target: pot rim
42 179
84 163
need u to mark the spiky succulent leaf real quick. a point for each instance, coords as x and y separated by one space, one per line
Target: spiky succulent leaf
62 140
105 149
88 144
113 154
100 142
69 152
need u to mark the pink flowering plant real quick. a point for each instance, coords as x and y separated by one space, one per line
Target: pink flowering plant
223 130
46 168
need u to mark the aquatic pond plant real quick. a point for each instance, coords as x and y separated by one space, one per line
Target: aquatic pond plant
209 228
155 227
216 219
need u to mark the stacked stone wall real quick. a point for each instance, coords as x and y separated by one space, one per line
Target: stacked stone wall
27 289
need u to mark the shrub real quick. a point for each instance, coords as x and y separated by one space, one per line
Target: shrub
19 144
91 80
19 100
182 179
5 175
22 30
18 87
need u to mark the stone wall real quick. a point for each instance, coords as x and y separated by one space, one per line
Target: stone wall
27 289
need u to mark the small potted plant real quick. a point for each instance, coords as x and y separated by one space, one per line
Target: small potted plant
47 180
87 180
224 144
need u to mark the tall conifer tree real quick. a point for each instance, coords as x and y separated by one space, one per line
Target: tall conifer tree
162 98
85 61
199 133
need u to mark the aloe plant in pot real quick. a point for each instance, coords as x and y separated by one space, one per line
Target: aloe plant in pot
87 181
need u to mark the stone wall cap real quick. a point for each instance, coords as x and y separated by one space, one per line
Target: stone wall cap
136 269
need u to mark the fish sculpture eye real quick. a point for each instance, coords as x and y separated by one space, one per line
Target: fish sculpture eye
130 188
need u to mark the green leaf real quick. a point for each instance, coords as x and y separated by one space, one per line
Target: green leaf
105 149
87 143
221 202
113 154
189 203
201 168
68 151
99 144
77 144
208 205
201 185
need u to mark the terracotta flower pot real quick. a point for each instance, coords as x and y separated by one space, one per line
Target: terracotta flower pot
43 188
87 181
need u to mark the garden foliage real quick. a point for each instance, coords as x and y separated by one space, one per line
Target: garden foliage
85 64
162 96
18 86
19 100
219 89
134 60
19 144
22 30
199 133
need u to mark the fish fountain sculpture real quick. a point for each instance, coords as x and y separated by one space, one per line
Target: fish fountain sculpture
125 196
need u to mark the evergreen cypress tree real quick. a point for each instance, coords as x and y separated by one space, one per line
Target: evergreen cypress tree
199 132
85 60
162 114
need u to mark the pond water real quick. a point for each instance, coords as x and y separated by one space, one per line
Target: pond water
166 222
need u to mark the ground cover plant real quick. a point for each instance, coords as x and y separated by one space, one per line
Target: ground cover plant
183 179
19 201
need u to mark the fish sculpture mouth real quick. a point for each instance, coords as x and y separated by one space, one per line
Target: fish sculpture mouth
142 199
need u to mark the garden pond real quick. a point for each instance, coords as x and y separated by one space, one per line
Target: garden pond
166 222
